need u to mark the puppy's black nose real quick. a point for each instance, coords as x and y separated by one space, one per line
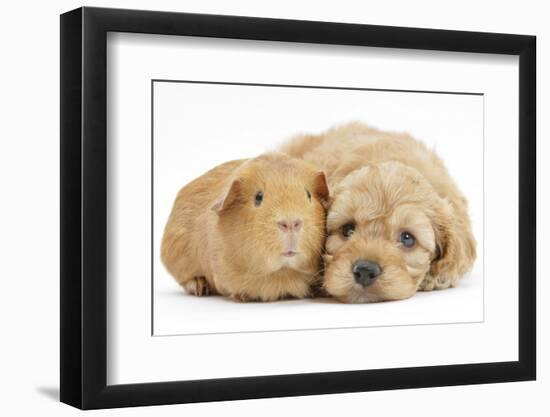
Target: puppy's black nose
365 272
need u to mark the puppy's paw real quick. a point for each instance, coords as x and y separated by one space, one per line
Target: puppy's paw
431 283
197 286
317 289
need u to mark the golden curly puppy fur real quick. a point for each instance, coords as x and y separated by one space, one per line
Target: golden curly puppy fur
249 229
397 223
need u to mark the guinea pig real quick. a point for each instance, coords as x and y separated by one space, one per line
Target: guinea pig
251 230
397 222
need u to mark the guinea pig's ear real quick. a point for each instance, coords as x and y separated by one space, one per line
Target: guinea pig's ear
455 250
321 187
228 198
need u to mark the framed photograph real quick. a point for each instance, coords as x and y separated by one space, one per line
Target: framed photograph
260 208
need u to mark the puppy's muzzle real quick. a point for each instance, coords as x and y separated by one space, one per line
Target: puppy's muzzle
365 272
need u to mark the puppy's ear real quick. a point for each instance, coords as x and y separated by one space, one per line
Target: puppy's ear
321 188
228 198
455 245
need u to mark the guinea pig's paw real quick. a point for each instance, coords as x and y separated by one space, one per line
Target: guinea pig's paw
197 286
243 298
239 298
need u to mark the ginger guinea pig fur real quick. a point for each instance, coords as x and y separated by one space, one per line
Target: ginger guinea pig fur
252 230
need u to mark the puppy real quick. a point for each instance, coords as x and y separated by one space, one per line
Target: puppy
397 222
252 230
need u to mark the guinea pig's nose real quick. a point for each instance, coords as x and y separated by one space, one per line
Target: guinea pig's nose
290 225
365 272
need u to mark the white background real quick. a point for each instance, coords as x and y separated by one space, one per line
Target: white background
198 126
29 181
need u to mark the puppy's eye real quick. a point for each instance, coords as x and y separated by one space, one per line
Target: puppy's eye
258 198
348 229
308 195
407 239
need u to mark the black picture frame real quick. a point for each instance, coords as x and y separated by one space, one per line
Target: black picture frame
84 210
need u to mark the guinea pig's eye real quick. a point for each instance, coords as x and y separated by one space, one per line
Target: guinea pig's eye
308 195
258 198
348 229
407 239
